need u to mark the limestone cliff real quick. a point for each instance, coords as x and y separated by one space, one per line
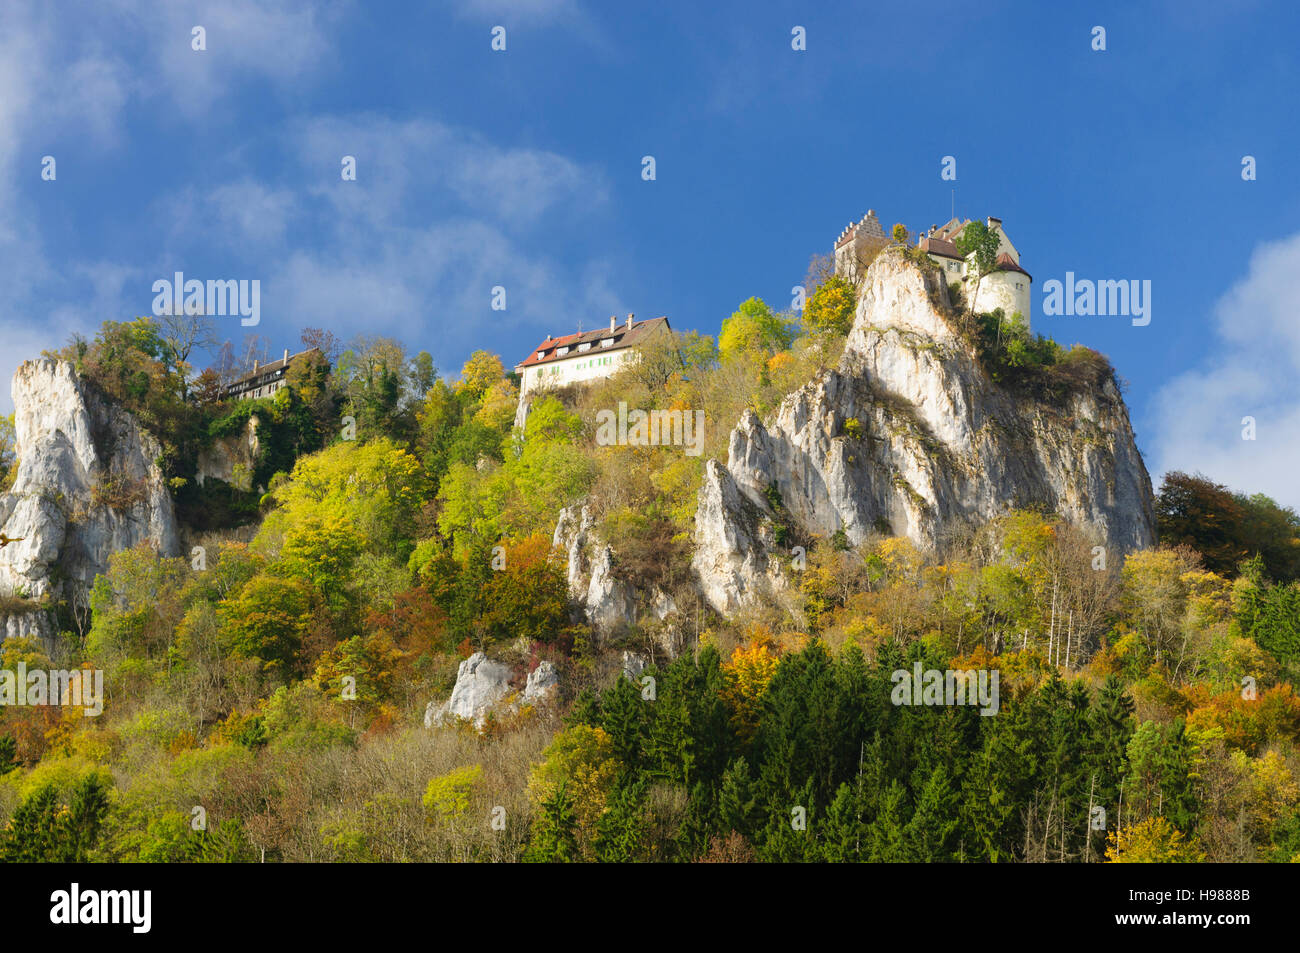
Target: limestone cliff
908 435
601 597
87 486
230 459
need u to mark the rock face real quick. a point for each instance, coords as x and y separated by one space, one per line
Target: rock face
482 684
909 436
633 665
87 486
230 459
606 601
543 684
735 547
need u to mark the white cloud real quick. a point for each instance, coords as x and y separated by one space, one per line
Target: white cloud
244 215
69 72
399 163
1255 372
436 218
286 41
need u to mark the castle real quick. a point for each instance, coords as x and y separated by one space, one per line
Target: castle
1007 286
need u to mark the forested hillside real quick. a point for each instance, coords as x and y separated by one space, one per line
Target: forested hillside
266 689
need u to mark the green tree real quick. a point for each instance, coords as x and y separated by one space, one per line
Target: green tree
754 330
43 830
554 834
266 621
978 244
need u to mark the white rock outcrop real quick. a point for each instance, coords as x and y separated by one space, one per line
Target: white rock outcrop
483 686
606 601
736 557
87 486
909 436
633 665
543 684
480 684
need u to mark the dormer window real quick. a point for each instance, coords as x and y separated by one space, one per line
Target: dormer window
541 355
585 346
606 342
562 351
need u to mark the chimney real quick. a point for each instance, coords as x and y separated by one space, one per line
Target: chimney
286 357
613 322
629 320
254 365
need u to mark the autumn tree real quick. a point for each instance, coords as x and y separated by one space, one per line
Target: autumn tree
1152 841
1204 515
831 307
754 330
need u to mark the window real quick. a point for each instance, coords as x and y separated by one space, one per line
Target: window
540 355
562 351
585 346
606 342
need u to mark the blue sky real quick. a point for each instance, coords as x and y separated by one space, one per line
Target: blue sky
522 169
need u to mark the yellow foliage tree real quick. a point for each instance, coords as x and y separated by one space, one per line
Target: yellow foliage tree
447 795
748 672
582 759
1153 841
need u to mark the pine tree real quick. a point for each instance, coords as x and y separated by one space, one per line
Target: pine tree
623 716
620 833
670 746
554 834
1110 723
885 836
737 809
840 838
783 842
86 816
930 835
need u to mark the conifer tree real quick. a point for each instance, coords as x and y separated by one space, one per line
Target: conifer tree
886 843
554 834
620 833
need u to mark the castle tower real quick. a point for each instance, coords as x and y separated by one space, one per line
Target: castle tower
857 245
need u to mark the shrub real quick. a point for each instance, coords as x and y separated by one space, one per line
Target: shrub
119 492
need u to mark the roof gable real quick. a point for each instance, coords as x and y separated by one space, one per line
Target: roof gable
623 337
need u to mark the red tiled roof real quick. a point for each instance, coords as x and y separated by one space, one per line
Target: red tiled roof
941 246
549 349
1007 263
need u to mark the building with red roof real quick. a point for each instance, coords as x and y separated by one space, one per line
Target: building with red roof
583 356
